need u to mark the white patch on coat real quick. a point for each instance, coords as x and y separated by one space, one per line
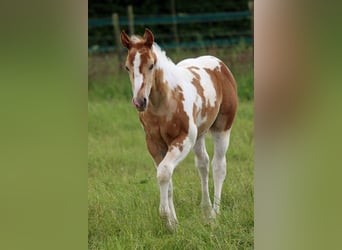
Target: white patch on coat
137 76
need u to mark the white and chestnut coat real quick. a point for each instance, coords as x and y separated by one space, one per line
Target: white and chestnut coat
178 104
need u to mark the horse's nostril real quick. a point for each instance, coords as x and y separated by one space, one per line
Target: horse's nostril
135 103
144 103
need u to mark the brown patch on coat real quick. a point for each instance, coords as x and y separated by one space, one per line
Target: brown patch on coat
165 122
159 91
228 107
193 68
145 56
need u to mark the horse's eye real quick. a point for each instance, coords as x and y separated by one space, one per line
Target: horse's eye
151 67
127 68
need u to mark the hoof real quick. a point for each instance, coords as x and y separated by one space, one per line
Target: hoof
206 211
170 223
171 226
213 214
210 219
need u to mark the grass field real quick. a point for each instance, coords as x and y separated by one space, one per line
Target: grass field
123 193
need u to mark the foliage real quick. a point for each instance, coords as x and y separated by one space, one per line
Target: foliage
105 8
187 32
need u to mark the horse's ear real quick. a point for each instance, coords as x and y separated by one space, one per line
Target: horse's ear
148 36
125 40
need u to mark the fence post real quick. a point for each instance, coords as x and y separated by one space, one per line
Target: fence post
116 26
130 19
251 9
174 24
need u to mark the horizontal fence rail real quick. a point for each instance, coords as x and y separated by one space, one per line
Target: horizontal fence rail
104 41
188 45
180 18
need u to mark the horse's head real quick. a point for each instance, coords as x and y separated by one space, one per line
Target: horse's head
140 64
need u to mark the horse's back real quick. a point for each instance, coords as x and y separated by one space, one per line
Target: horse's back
209 62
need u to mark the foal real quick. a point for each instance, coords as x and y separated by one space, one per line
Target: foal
178 104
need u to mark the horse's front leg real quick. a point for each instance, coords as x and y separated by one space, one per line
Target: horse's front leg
178 150
170 199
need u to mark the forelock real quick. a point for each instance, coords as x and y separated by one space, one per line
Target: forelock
136 39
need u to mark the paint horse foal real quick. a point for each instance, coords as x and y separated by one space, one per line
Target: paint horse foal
177 105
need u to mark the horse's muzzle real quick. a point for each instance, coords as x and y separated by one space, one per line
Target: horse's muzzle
140 104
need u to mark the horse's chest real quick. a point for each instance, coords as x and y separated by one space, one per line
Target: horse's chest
164 129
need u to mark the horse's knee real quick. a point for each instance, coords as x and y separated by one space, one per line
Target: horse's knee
163 174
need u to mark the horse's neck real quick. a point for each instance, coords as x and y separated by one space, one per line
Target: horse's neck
161 91
165 76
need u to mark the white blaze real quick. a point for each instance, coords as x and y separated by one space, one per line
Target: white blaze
138 77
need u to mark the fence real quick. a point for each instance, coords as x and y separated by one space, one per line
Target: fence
209 30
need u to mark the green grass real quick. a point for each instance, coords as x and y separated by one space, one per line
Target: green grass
124 196
123 193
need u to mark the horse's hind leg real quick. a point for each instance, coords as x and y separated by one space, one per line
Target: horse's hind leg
221 143
202 164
